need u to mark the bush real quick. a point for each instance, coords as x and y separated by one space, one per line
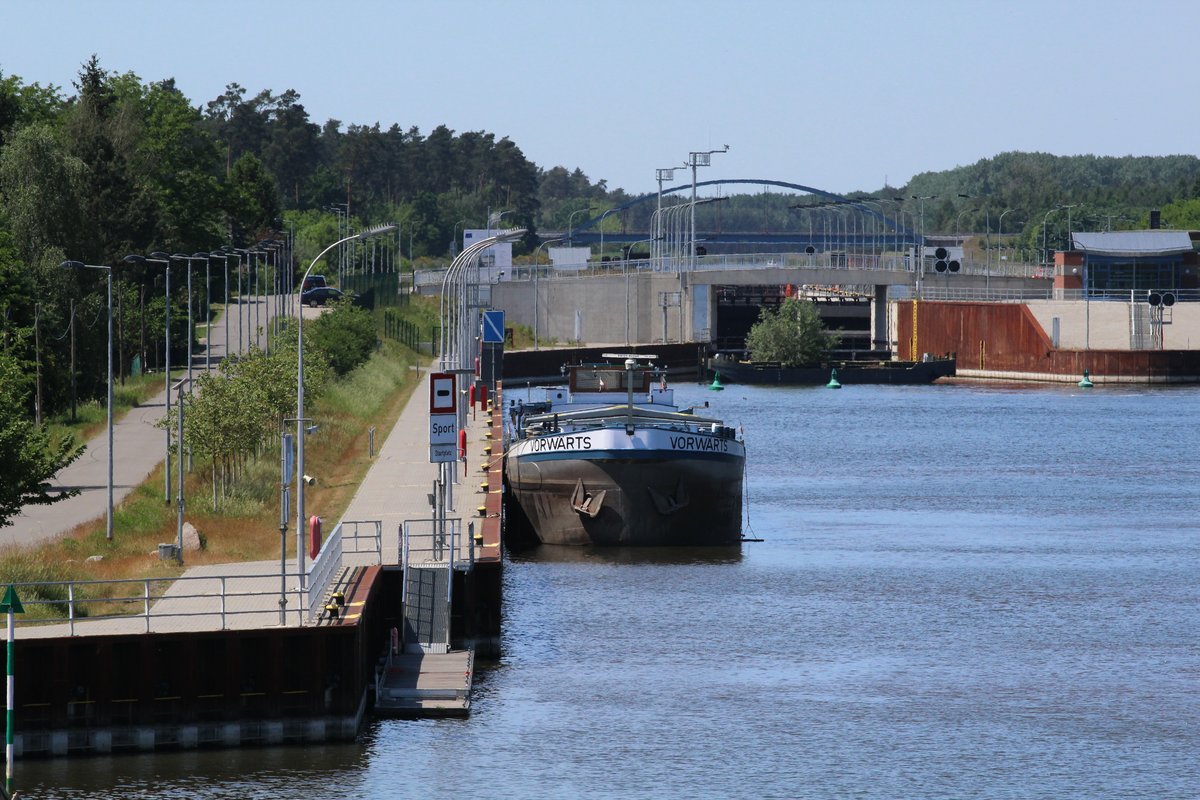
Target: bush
346 335
791 335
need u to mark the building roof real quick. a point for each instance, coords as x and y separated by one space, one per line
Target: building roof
1133 243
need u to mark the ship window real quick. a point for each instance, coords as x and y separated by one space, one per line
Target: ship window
593 379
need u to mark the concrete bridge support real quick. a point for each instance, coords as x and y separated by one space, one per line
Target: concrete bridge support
880 339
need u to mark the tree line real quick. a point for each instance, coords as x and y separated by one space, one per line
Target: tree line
124 166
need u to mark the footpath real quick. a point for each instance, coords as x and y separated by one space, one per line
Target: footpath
139 448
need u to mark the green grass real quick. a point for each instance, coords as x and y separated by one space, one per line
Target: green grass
92 416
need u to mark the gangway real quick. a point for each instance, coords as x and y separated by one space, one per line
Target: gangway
421 675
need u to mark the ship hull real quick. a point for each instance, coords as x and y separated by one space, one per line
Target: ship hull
652 488
912 373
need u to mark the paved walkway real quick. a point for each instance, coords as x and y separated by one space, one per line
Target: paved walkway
137 443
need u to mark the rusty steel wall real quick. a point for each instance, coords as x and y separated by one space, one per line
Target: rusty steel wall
1005 337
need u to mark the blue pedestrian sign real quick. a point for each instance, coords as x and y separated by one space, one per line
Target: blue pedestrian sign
493 327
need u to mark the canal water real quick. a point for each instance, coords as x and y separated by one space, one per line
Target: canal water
961 591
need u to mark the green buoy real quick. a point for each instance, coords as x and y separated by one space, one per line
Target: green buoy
833 381
1086 383
716 386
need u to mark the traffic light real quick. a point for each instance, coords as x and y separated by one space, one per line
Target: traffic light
945 261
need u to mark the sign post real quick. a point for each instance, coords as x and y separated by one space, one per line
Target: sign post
443 421
443 437
10 605
493 344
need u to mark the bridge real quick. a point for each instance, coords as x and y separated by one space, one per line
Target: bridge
675 299
681 292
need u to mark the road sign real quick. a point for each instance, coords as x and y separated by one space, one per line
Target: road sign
11 604
493 327
442 393
443 438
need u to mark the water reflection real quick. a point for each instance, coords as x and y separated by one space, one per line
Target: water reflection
664 556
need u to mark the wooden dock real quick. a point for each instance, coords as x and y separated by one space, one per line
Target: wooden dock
426 684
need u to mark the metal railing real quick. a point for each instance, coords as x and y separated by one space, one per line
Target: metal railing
328 563
433 544
361 536
150 602
845 261
992 295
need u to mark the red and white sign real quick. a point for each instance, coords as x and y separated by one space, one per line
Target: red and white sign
442 393
443 417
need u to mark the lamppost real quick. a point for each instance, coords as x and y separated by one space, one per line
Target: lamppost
698 159
224 255
1000 231
1070 244
900 212
536 270
1045 252
191 324
300 428
656 237
570 220
628 255
454 250
494 218
921 198
957 219
158 257
601 225
207 258
74 265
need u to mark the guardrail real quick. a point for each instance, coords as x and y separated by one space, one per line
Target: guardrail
152 605
968 294
149 603
328 563
842 261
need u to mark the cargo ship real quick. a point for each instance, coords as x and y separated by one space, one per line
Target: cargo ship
611 460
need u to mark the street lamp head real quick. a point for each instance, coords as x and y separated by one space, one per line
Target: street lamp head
375 231
199 255
159 254
134 259
72 265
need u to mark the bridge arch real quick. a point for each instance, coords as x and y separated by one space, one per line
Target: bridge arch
836 198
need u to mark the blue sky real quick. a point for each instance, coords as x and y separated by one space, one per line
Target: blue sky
837 94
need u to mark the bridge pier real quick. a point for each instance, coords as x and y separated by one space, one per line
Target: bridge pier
880 337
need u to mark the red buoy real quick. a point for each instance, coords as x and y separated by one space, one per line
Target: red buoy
471 395
462 443
483 397
314 536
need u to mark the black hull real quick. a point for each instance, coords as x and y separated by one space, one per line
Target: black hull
708 494
913 373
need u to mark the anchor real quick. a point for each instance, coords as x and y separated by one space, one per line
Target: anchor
669 505
586 503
